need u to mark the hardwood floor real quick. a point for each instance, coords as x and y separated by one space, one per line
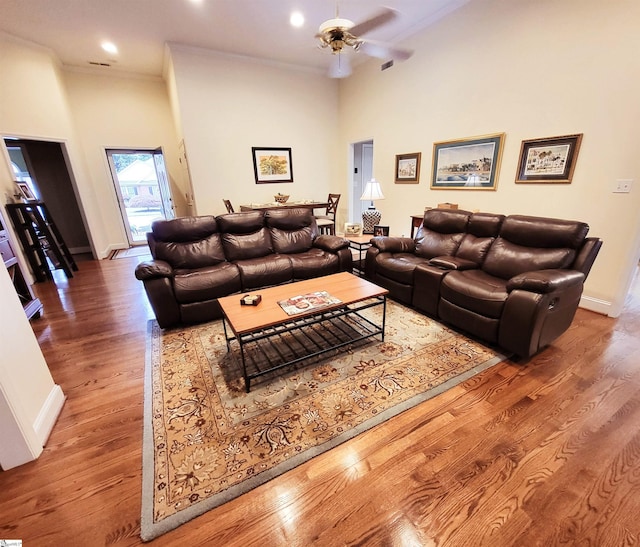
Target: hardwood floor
539 453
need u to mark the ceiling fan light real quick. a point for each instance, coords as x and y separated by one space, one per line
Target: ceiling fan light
336 46
335 24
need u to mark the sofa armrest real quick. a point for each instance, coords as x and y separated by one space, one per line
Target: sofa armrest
330 243
387 244
152 269
453 263
545 281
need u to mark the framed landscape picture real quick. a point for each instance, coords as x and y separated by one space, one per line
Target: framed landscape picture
408 168
272 165
550 160
467 164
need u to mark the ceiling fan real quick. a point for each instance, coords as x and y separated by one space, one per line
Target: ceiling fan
337 34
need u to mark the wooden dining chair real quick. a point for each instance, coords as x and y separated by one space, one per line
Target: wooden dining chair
228 205
327 222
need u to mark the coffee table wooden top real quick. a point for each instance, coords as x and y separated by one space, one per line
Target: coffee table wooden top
345 286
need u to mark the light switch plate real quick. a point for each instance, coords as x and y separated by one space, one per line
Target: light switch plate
623 186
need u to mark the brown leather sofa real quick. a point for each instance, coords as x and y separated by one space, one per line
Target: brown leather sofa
511 281
197 260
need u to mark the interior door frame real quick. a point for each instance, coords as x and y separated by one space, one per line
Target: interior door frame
116 185
63 143
361 170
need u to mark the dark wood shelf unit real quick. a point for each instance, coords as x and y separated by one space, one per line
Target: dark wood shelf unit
31 305
41 240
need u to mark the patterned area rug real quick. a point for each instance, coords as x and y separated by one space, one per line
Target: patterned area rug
206 441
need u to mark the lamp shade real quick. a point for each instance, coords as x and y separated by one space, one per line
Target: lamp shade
371 217
372 191
473 180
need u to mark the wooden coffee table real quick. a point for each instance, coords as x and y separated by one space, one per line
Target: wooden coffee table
266 330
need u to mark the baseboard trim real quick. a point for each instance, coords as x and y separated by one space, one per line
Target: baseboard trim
596 305
109 250
79 250
49 413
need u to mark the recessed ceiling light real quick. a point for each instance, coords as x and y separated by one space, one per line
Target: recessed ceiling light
296 19
109 47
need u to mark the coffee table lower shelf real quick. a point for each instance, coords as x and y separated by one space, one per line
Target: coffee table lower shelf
298 339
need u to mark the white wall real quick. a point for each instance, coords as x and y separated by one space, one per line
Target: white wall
117 111
30 401
33 104
227 105
531 69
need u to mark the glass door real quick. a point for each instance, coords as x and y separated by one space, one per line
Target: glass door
142 186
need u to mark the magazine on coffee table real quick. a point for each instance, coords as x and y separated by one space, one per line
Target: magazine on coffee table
307 302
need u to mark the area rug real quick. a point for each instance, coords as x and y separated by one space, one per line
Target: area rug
206 441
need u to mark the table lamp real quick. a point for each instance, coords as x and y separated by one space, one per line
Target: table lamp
473 180
371 217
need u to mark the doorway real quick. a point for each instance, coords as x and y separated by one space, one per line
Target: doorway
362 160
44 166
142 186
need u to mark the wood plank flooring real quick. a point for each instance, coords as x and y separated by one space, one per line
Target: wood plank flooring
539 453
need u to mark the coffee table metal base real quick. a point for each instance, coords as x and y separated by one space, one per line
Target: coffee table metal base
290 341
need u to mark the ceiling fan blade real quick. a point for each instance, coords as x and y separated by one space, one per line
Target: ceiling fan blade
340 66
386 15
381 50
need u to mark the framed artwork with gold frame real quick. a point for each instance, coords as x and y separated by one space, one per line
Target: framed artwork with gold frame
550 160
408 168
467 164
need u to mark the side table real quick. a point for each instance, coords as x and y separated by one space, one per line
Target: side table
360 244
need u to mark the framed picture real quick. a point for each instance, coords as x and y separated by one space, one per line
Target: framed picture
467 164
25 192
408 168
272 165
380 230
351 229
550 160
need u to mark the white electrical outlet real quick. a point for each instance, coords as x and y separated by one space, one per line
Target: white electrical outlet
623 186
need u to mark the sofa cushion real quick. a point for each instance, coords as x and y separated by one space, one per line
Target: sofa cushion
244 235
441 232
313 263
485 224
265 271
474 248
544 232
398 266
291 230
194 285
506 259
530 243
184 229
189 242
476 291
246 246
241 223
196 254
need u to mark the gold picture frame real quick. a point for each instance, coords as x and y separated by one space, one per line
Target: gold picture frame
408 168
467 164
550 160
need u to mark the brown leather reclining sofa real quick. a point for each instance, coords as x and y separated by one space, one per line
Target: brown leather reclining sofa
512 281
197 260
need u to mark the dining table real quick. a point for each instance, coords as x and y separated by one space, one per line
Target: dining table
301 204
